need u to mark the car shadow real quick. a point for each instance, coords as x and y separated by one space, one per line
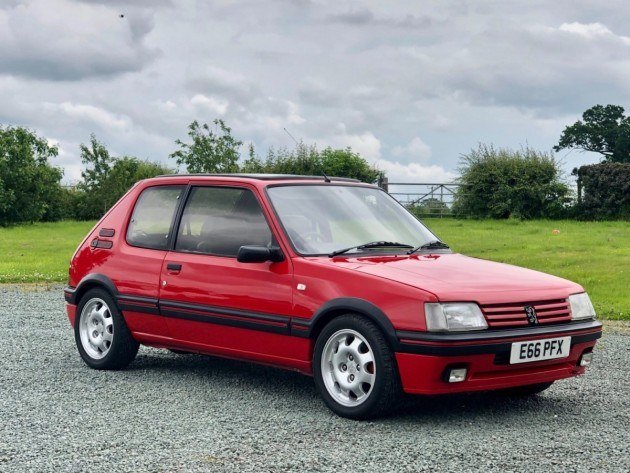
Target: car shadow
167 365
281 384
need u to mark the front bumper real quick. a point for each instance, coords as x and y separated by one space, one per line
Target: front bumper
423 357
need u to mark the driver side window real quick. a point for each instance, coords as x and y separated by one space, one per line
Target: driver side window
219 220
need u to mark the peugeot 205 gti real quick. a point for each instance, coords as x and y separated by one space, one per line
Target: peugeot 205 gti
330 277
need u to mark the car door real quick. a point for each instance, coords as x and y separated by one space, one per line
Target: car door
135 270
214 303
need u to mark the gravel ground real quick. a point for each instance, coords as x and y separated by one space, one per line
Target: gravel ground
170 412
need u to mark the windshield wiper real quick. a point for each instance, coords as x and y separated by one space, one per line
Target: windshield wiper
432 245
372 244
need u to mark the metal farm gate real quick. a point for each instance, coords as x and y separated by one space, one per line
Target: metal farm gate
424 199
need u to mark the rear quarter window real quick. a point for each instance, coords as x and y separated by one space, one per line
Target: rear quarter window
152 217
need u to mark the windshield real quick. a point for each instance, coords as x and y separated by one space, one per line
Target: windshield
322 219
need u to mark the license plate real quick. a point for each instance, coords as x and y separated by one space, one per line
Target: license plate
538 350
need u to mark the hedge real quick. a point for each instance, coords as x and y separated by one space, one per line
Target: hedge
603 191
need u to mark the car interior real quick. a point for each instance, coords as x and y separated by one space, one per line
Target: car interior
223 229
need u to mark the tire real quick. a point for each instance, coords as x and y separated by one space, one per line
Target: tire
374 388
525 391
101 334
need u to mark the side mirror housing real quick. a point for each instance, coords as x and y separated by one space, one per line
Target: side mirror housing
259 254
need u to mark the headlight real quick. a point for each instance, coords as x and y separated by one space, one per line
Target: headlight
454 316
581 306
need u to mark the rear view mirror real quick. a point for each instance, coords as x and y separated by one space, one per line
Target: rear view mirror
258 254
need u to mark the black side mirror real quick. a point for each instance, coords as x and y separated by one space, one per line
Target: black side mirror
258 254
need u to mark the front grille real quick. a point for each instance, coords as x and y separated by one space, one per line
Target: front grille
513 314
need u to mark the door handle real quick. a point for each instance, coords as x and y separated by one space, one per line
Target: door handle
175 267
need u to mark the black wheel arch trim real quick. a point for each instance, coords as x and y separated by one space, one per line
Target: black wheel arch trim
307 328
73 294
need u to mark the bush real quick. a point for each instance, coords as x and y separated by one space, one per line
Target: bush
105 179
309 161
29 185
605 191
91 202
504 183
429 207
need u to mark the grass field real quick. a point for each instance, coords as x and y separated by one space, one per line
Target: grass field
40 252
594 254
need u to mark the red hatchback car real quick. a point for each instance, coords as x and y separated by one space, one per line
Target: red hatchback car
330 277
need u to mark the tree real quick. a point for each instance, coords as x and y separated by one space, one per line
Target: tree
106 179
308 160
29 184
347 163
97 163
503 183
604 130
211 151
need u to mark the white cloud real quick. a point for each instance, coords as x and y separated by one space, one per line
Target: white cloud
364 143
96 115
415 172
590 30
294 115
64 40
211 104
416 150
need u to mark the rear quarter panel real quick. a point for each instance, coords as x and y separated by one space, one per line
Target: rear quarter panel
134 271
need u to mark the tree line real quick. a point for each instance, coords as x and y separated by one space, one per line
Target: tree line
31 189
495 182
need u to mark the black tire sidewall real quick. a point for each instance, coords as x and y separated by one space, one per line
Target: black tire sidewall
384 366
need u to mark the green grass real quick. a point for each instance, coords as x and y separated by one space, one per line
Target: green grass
40 252
593 254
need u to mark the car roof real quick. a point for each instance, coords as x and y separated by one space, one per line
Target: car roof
263 177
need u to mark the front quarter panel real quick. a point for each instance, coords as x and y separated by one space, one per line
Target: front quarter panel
315 284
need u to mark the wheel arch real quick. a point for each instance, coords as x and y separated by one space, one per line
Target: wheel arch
91 281
337 307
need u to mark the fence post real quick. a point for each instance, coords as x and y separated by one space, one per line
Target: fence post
383 183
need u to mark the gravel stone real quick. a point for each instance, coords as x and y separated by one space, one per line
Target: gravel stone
171 412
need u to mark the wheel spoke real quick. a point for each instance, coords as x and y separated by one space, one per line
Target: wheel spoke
344 392
108 322
337 359
95 345
365 377
364 359
356 343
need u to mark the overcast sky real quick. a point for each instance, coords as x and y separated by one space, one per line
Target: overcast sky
409 84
